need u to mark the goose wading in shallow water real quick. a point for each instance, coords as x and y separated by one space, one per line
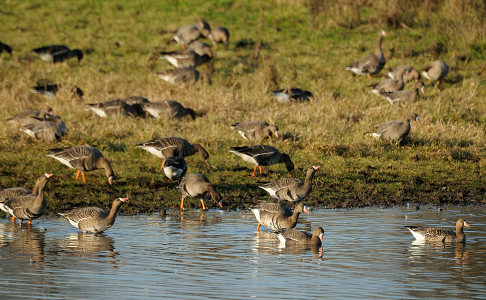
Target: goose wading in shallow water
295 237
57 53
263 155
432 234
27 207
94 219
291 189
198 186
255 130
277 220
372 63
20 191
83 159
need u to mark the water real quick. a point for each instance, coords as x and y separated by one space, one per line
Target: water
366 254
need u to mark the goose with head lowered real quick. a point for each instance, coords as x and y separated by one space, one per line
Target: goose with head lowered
411 74
168 109
433 234
220 34
174 167
435 71
372 63
183 76
198 186
276 219
185 58
405 96
295 237
255 130
263 155
94 219
394 130
57 53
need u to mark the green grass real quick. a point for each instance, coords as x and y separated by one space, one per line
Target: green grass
441 163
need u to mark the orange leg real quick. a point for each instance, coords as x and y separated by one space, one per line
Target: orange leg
258 226
260 168
182 203
438 82
162 165
82 175
13 219
29 222
77 174
369 76
202 203
254 172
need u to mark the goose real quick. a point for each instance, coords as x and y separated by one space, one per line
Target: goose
255 130
83 159
174 146
278 220
410 74
220 35
406 95
185 58
174 168
432 234
94 219
276 208
201 48
263 155
6 48
291 95
57 53
182 76
291 189
395 130
137 103
372 63
50 128
198 185
295 237
187 34
435 71
30 116
112 107
168 109
50 90
27 207
389 85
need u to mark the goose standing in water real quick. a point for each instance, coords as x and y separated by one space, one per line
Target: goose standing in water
263 155
57 53
255 130
295 237
83 159
395 130
94 219
432 234
372 63
277 219
198 185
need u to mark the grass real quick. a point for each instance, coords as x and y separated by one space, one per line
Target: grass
441 163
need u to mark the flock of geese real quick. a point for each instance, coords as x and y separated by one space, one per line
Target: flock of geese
23 204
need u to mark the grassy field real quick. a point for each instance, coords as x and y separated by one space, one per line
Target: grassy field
303 43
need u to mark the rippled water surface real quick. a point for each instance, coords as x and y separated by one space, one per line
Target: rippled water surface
366 253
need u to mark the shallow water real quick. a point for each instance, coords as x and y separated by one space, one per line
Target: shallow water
366 253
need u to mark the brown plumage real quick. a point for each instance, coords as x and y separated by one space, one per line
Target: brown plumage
198 185
406 95
94 219
432 234
291 189
255 130
435 71
263 155
189 33
201 48
295 237
28 117
168 109
278 220
83 159
220 35
20 191
389 85
410 74
182 76
395 130
372 63
27 207
174 146
185 58
112 108
49 128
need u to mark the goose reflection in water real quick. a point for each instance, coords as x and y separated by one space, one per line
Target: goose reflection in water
89 245
28 241
267 242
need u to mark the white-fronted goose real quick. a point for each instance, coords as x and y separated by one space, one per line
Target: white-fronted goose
404 96
181 76
29 116
291 95
389 85
112 107
83 159
168 109
295 237
94 219
198 185
432 234
371 63
203 27
435 71
174 146
395 130
174 168
27 207
220 35
255 130
410 73
201 48
136 102
263 155
50 128
187 34
50 90
6 48
57 53
276 208
278 220
291 189
185 58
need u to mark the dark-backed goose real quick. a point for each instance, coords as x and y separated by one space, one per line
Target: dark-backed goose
174 168
185 58
174 146
49 128
406 95
291 189
220 35
198 185
27 207
29 116
94 219
263 155
410 73
187 34
278 220
295 237
168 109
435 71
181 76
112 108
255 130
57 53
50 90
83 159
372 63
291 95
432 234
395 130
6 48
